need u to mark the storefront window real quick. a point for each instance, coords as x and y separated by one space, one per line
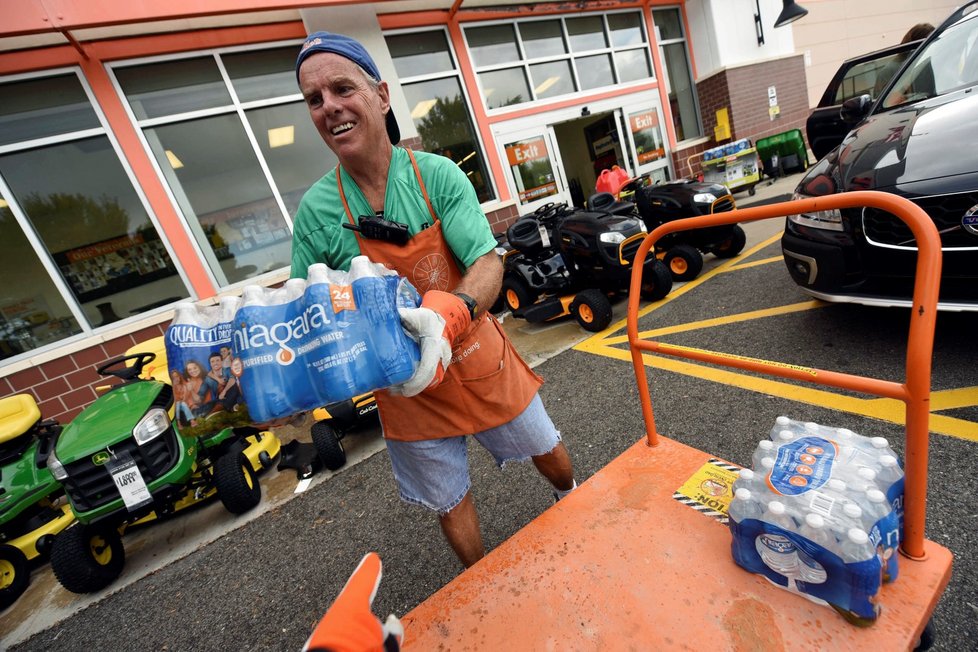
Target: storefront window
160 89
262 74
560 56
38 108
238 171
682 92
90 220
224 195
32 311
439 109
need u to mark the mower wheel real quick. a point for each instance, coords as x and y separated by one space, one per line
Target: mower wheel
237 486
592 309
684 262
517 295
657 282
328 445
87 558
15 575
732 245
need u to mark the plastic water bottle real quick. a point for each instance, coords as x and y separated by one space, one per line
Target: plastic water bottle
743 506
746 479
889 472
786 437
765 448
815 531
856 547
777 550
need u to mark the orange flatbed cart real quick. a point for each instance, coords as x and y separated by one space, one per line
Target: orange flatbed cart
619 564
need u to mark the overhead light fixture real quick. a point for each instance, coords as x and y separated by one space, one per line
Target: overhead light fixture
547 83
791 12
470 155
422 108
3 203
175 163
281 136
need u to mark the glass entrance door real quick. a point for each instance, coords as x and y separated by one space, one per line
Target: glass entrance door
647 140
535 171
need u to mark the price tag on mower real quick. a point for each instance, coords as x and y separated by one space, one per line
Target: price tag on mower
129 481
544 236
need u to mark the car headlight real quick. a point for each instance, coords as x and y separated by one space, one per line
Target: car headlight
830 220
151 426
611 237
704 198
56 468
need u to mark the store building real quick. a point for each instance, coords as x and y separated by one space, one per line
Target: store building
153 152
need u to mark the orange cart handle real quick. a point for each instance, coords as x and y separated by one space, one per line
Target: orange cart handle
914 391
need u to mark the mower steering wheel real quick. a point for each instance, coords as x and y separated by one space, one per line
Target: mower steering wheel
124 372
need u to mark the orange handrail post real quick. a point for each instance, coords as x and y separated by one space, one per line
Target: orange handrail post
914 391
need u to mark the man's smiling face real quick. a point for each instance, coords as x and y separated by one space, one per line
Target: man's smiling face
348 111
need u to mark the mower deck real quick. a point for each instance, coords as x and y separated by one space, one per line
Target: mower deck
621 564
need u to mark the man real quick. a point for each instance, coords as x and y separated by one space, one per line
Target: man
470 380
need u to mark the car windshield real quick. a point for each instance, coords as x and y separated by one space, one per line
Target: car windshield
946 64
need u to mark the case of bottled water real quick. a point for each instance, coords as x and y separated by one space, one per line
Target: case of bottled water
820 515
310 342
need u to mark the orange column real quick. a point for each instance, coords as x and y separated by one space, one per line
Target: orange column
146 177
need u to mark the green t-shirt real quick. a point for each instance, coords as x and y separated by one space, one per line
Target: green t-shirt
319 237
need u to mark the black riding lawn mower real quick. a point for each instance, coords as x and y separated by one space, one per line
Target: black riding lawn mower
682 252
567 261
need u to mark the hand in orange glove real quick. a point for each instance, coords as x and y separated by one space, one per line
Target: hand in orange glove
436 325
349 625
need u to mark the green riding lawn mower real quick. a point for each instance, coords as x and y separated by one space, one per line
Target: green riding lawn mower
32 505
124 461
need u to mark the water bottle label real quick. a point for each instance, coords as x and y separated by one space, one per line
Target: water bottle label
852 588
802 465
207 395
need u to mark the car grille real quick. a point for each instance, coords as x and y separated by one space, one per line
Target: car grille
724 204
629 249
90 485
885 229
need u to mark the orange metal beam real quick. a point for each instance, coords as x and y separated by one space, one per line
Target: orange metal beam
914 392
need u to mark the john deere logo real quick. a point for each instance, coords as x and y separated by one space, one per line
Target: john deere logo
970 220
100 458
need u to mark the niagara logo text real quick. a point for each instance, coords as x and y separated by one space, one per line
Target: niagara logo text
281 334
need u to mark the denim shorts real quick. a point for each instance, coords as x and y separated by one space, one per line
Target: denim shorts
434 473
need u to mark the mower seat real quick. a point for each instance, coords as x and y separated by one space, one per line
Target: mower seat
524 235
18 414
157 369
605 202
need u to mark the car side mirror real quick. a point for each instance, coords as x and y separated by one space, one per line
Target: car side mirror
855 109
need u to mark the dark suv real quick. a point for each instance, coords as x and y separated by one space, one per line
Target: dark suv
917 140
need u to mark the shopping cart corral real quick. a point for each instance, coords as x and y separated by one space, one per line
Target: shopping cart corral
621 564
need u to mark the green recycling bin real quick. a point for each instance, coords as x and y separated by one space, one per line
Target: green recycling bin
782 153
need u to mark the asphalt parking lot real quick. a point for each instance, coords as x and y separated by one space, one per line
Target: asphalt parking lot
209 581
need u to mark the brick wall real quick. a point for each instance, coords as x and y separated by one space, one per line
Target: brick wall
744 92
64 386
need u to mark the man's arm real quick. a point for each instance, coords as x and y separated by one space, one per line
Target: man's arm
483 279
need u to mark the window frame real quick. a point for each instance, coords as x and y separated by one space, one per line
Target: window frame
684 39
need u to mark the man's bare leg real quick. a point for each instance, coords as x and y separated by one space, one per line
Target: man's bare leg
461 528
556 467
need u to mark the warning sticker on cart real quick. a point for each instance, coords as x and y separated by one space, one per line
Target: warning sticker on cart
710 489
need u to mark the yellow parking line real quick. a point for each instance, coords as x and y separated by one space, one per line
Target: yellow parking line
889 410
756 263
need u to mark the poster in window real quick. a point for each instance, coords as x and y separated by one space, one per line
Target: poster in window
647 135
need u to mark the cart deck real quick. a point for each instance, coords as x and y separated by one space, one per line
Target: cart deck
621 564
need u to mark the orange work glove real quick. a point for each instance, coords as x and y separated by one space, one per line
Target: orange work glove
452 309
349 625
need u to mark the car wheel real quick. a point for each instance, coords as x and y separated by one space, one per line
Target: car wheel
592 309
656 282
732 245
237 486
15 575
328 445
684 262
517 295
87 558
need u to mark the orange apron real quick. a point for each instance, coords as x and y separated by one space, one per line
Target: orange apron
486 385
